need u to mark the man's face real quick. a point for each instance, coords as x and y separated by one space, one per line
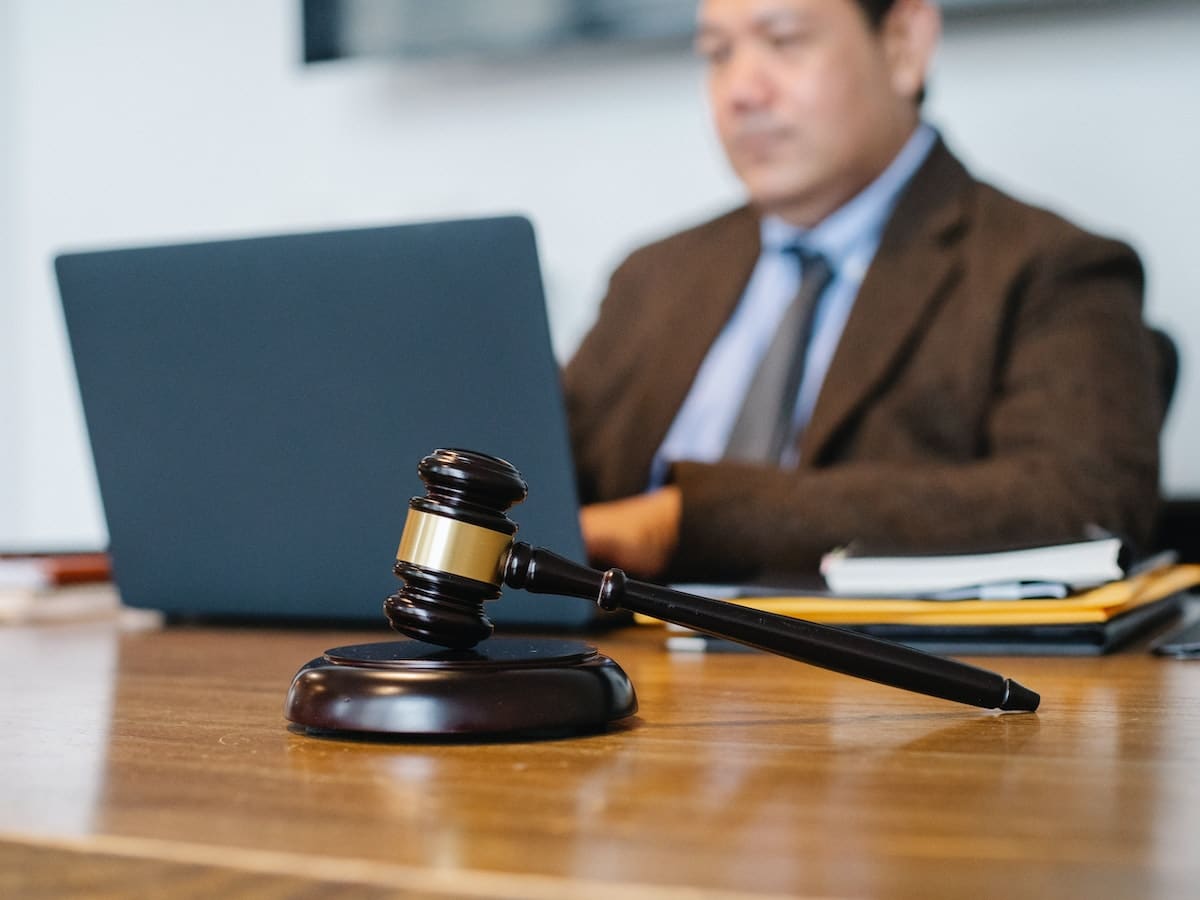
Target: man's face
810 102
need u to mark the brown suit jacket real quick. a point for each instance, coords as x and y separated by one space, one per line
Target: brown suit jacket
994 384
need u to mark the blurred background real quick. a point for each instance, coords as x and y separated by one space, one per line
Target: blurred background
138 122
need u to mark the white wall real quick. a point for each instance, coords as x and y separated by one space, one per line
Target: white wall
143 121
10 468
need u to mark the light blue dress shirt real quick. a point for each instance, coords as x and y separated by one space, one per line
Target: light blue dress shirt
848 239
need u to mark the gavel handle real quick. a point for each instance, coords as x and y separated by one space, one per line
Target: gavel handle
851 653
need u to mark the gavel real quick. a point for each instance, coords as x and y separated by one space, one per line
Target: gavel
458 550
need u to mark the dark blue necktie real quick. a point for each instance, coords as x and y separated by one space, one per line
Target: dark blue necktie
764 425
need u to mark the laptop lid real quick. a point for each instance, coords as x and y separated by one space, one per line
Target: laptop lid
257 409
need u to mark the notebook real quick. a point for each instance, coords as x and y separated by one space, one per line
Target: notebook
1080 564
257 409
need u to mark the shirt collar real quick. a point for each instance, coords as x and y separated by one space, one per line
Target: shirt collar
860 220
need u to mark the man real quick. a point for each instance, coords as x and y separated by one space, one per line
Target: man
974 371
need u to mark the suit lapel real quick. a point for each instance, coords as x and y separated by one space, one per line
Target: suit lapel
912 267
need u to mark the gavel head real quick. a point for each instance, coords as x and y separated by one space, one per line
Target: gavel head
454 547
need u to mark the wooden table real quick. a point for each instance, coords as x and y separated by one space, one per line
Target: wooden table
159 764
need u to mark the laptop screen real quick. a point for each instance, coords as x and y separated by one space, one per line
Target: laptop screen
257 409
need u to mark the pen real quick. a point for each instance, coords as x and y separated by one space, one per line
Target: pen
1004 590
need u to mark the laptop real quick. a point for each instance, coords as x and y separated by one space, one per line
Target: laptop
257 409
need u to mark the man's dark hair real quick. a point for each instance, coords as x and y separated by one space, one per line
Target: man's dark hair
875 10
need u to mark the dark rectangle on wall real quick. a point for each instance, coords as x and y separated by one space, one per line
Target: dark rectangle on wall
342 29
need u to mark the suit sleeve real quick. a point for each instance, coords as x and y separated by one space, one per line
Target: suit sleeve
596 377
1070 439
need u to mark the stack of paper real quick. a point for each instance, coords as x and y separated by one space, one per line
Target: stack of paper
71 586
1087 622
45 569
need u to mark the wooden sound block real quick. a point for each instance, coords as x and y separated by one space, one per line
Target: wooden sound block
504 686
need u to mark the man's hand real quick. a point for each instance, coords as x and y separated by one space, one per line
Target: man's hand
637 534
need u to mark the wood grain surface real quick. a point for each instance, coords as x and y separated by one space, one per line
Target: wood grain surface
159 764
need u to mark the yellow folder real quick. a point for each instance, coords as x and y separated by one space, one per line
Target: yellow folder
1096 605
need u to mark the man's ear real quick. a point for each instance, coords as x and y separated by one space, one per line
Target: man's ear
911 32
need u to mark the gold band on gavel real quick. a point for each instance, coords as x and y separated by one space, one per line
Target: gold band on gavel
459 548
